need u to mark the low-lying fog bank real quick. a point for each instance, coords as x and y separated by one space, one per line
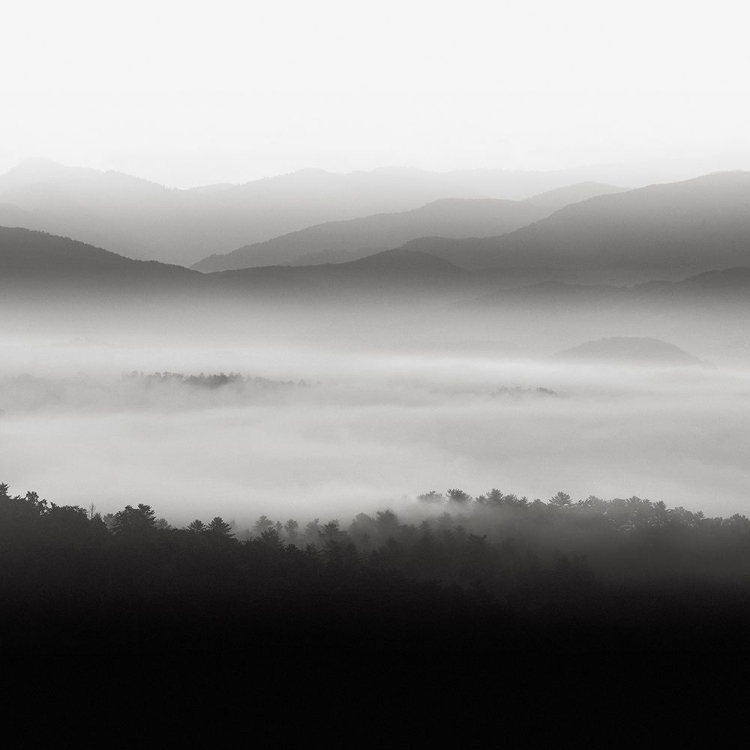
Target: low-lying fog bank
302 430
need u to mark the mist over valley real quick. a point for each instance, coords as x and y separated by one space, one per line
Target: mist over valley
401 397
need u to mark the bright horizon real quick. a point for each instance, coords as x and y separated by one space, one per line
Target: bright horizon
624 174
183 98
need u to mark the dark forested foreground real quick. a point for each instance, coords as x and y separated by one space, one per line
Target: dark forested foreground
461 574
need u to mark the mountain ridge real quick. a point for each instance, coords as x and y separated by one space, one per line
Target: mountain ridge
145 220
338 241
669 229
30 257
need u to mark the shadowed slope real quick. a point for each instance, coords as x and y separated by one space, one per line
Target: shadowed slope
341 241
35 260
144 220
28 257
666 231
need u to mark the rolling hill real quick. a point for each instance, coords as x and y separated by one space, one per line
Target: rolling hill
629 350
33 262
30 257
341 241
40 261
660 231
144 220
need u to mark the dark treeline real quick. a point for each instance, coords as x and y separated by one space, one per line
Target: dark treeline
495 572
25 392
210 381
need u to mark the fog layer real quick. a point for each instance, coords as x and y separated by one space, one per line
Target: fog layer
362 429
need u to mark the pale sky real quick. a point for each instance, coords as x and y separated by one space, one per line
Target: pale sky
188 93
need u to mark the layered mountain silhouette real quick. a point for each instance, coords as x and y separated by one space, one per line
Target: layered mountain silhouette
558 198
659 231
397 273
406 295
36 259
629 350
341 241
30 259
144 220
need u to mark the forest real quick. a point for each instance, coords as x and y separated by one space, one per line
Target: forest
453 573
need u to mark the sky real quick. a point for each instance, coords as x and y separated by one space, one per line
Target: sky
187 93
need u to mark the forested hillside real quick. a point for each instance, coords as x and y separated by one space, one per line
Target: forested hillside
495 573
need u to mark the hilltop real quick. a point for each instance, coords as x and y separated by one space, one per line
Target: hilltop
629 350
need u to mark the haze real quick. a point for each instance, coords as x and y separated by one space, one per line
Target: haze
170 93
339 426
